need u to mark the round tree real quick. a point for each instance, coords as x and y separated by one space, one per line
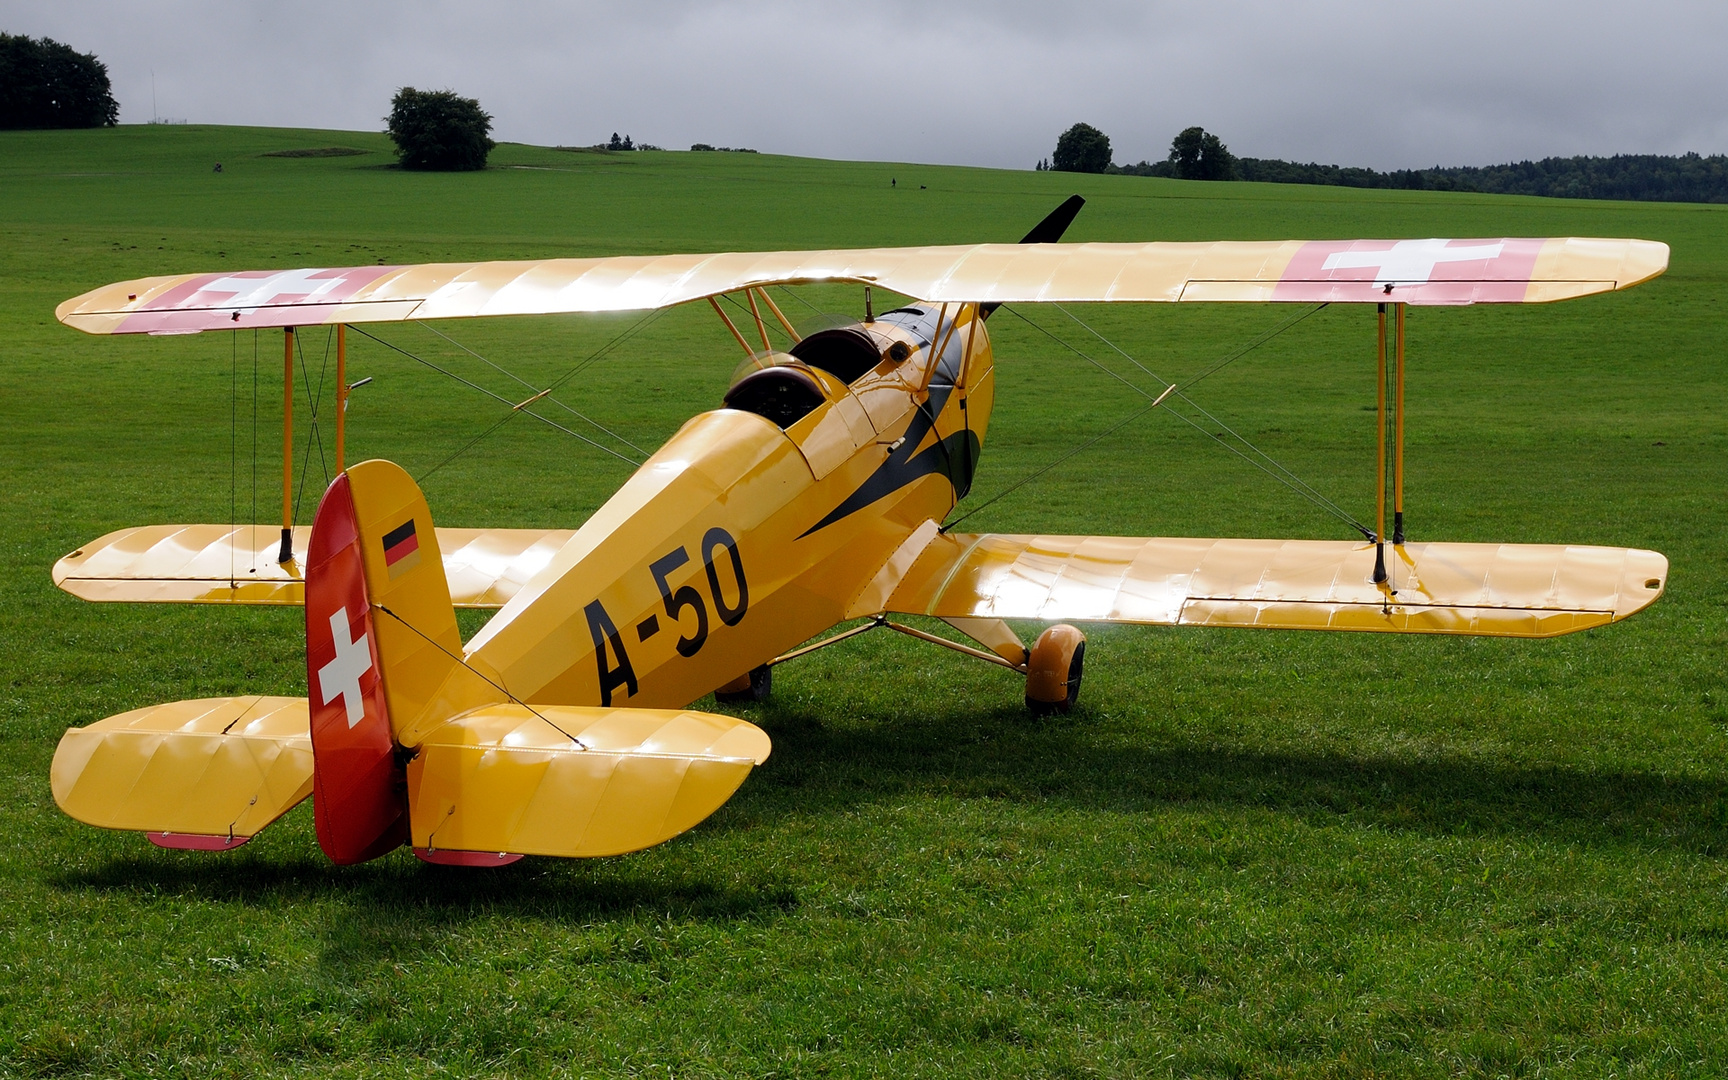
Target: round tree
44 84
1082 148
1197 154
436 129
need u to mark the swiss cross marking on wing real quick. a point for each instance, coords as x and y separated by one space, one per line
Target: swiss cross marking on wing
341 676
304 286
1410 262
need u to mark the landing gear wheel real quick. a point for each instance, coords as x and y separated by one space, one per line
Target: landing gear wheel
747 688
1054 668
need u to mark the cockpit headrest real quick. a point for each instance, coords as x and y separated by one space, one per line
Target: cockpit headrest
846 352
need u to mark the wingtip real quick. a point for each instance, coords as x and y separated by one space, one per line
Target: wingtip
1643 580
1645 259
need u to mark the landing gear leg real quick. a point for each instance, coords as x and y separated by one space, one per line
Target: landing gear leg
1054 669
752 686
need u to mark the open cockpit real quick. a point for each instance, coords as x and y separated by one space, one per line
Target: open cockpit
784 387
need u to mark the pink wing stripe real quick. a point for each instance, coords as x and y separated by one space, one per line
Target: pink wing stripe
1413 271
209 301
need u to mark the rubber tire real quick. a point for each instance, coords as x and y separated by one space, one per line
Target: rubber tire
747 689
1054 669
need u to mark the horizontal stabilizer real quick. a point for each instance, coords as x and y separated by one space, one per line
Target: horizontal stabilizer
1500 270
196 774
1502 590
224 564
563 780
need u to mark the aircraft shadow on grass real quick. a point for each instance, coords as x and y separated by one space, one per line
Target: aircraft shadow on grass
536 888
1003 754
819 768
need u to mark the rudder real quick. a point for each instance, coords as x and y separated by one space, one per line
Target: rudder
382 655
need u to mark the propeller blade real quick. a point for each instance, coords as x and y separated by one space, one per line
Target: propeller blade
1047 231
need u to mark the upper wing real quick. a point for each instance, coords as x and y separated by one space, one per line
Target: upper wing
227 564
1505 270
1506 590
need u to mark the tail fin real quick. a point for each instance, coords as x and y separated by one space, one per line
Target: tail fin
382 655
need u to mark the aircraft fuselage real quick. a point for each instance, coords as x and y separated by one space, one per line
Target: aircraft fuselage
739 538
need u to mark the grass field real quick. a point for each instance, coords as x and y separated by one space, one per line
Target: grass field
1243 854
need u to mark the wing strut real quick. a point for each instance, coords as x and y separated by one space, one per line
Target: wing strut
1380 452
775 308
1398 458
1380 575
883 622
742 344
287 552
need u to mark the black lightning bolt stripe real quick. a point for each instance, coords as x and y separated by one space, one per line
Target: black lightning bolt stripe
953 457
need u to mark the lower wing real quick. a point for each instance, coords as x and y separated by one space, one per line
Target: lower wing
1504 590
228 564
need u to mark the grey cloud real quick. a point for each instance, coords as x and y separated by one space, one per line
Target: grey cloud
963 81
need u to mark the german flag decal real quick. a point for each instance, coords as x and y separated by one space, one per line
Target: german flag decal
401 549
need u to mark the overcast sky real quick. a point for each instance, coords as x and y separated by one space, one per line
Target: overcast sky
1387 84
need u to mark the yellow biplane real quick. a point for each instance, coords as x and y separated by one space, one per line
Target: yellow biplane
814 497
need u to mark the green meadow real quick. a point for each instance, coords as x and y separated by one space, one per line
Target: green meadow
1245 853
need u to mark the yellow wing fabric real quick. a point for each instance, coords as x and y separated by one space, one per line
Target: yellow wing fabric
1505 270
224 564
215 767
1505 590
570 781
557 780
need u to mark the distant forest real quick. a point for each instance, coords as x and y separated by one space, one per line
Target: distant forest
1687 178
1196 154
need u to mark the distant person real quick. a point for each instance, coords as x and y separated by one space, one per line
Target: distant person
893 182
218 167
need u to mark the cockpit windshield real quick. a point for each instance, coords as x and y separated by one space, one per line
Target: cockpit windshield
776 386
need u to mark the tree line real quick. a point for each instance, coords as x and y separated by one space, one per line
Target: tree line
1196 154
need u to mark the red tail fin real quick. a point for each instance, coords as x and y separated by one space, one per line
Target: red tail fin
359 792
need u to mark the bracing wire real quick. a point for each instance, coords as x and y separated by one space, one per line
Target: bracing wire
465 447
1172 390
800 299
1276 471
635 328
1029 477
318 397
1288 479
628 333
498 398
512 375
313 436
435 643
